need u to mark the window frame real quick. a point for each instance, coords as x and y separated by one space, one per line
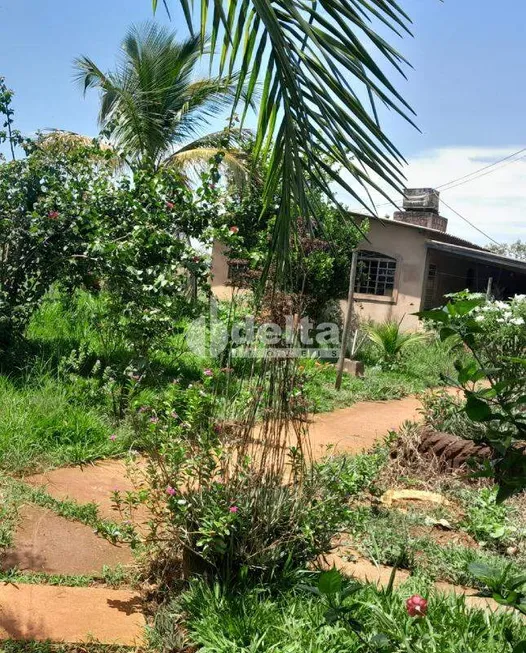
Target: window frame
381 256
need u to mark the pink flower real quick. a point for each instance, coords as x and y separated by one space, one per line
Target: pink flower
116 489
233 509
208 372
174 415
53 215
416 606
234 229
113 437
170 205
154 419
170 491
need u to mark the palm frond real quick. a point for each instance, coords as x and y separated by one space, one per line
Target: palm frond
321 66
150 102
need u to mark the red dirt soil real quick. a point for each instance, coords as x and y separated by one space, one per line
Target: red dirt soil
89 483
45 542
359 427
70 614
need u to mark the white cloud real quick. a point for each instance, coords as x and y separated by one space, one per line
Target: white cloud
495 202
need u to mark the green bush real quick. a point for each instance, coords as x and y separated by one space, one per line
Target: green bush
261 619
495 334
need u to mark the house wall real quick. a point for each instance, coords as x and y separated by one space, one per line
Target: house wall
219 272
408 247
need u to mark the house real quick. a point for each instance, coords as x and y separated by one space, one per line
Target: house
410 262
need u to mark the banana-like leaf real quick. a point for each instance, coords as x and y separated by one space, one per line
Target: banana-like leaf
321 64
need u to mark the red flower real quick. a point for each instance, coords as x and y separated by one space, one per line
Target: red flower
416 606
170 205
196 259
53 215
234 230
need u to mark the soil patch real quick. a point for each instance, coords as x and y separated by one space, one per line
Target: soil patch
90 483
70 614
45 542
359 427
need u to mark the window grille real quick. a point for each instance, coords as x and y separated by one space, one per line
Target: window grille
375 274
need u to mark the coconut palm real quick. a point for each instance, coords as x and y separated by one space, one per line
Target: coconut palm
321 67
152 109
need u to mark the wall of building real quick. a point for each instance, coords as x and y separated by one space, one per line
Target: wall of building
408 247
219 272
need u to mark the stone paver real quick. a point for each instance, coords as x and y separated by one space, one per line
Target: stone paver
89 483
365 571
70 614
45 542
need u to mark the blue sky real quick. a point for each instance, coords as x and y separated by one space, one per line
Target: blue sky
469 58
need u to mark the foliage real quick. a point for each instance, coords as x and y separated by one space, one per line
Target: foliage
444 412
8 133
391 340
45 222
507 587
513 250
150 106
311 63
494 333
262 619
234 524
486 519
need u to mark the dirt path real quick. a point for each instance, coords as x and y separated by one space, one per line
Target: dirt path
357 428
46 542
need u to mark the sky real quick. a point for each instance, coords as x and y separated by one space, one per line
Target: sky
468 59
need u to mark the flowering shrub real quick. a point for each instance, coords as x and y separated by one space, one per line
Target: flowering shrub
495 334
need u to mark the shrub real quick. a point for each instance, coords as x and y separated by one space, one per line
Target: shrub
495 334
390 340
261 619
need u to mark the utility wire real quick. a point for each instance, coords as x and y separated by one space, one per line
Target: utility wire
469 222
474 175
491 165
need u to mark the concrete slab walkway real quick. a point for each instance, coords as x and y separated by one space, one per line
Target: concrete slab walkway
70 614
45 542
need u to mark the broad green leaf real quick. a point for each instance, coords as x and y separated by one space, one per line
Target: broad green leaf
330 582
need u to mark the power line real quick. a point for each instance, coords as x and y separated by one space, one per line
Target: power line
491 165
470 223
473 175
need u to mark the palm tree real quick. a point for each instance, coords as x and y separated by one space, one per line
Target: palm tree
151 106
321 67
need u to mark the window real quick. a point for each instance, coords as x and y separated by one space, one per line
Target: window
375 274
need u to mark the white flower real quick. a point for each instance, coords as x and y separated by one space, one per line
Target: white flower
479 318
517 321
519 298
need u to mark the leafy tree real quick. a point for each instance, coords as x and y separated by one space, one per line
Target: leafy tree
513 250
318 61
66 218
151 106
8 133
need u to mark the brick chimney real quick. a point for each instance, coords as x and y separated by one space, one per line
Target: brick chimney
421 207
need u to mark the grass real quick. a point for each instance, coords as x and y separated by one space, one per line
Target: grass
64 391
42 425
114 577
419 368
264 620
11 646
391 537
